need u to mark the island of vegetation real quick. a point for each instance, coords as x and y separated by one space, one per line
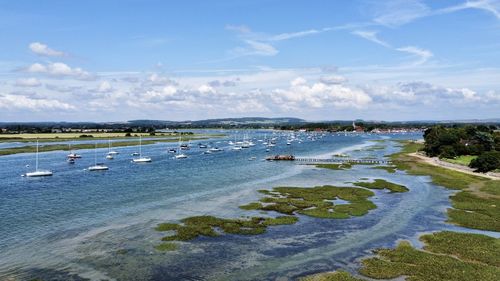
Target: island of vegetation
316 202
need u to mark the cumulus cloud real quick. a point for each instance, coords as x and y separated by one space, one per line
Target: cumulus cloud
44 50
333 79
319 95
59 69
157 80
13 102
28 82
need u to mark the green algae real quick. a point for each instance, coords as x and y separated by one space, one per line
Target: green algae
193 227
251 206
382 184
316 201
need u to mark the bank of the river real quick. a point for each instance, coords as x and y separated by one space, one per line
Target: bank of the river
445 255
90 145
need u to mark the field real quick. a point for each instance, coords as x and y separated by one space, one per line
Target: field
48 137
461 160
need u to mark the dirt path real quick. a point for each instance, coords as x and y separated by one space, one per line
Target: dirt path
455 167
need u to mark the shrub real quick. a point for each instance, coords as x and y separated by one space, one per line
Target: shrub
486 162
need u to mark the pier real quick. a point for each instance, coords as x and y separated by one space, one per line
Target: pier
342 160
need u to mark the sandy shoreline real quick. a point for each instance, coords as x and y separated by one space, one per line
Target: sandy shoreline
459 168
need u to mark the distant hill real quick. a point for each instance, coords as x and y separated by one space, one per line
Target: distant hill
221 121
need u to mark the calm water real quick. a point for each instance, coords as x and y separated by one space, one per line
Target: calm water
98 225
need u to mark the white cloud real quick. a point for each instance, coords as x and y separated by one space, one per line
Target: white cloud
28 82
13 102
44 50
371 36
333 79
398 12
206 89
59 69
422 54
259 48
490 6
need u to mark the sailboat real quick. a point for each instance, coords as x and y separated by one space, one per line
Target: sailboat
179 154
110 155
73 155
112 152
97 166
141 159
37 172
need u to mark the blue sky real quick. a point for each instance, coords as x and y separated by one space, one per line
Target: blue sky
318 60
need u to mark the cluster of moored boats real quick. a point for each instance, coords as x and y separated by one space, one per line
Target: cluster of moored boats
178 152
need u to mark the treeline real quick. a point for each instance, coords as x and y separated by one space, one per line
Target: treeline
481 141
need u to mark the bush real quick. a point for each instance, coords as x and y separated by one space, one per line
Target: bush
486 162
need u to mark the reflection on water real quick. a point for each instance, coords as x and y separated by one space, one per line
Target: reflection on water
100 225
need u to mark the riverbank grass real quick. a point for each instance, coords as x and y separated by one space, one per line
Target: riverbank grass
382 184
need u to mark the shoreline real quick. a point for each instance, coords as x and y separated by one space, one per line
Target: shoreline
455 167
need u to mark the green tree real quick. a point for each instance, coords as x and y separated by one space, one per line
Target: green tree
486 162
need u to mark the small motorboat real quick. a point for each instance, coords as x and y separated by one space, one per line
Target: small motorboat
135 154
215 149
202 145
71 161
172 150
110 156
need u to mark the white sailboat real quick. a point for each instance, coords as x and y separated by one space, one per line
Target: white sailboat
73 155
179 154
37 172
110 155
141 159
97 166
112 152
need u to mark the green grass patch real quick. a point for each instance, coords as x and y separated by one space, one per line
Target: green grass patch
331 276
166 247
491 187
461 160
251 206
475 212
55 147
389 169
334 166
447 256
316 201
193 227
382 184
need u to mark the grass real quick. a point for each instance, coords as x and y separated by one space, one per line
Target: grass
472 211
193 227
446 256
334 166
55 147
382 184
166 247
331 276
476 206
389 169
315 202
461 160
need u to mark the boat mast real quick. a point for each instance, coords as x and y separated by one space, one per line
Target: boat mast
140 146
95 154
36 162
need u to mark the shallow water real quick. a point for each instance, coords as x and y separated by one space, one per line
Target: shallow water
79 224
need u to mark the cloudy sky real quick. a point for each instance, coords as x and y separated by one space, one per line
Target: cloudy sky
318 60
